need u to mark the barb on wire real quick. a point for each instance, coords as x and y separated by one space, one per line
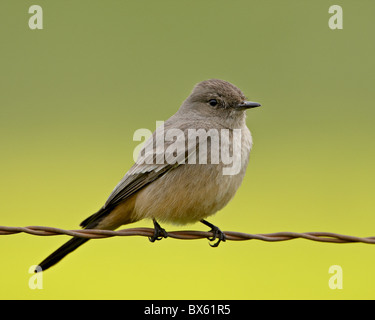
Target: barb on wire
186 235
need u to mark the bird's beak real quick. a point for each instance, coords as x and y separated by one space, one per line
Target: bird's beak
247 105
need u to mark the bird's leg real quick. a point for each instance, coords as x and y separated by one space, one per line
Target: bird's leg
218 234
159 232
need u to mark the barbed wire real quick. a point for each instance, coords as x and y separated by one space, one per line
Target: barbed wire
186 234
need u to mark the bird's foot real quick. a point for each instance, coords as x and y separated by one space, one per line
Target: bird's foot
159 232
217 234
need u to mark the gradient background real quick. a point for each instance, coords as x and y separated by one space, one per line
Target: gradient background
73 94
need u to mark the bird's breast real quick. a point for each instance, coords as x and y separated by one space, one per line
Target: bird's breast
191 192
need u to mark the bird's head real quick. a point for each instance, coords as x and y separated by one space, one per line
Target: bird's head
219 99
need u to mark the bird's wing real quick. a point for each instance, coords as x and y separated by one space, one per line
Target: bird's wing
154 160
135 179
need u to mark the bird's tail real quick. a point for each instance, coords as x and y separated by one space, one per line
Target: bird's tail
95 221
89 223
61 252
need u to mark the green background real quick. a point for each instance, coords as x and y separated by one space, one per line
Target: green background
73 94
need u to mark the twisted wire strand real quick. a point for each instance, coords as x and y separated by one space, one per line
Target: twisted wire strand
186 234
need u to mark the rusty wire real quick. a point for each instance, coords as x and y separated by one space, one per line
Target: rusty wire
186 235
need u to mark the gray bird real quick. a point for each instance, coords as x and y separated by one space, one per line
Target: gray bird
185 190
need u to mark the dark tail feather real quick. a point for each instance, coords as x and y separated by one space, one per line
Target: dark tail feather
61 252
89 223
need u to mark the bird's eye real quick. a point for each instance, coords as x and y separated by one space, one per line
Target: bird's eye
213 102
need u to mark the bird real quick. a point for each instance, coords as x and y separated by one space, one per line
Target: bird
184 191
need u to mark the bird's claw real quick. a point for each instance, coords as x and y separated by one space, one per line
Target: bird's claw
159 233
217 234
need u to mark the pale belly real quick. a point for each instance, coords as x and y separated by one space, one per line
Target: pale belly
191 192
